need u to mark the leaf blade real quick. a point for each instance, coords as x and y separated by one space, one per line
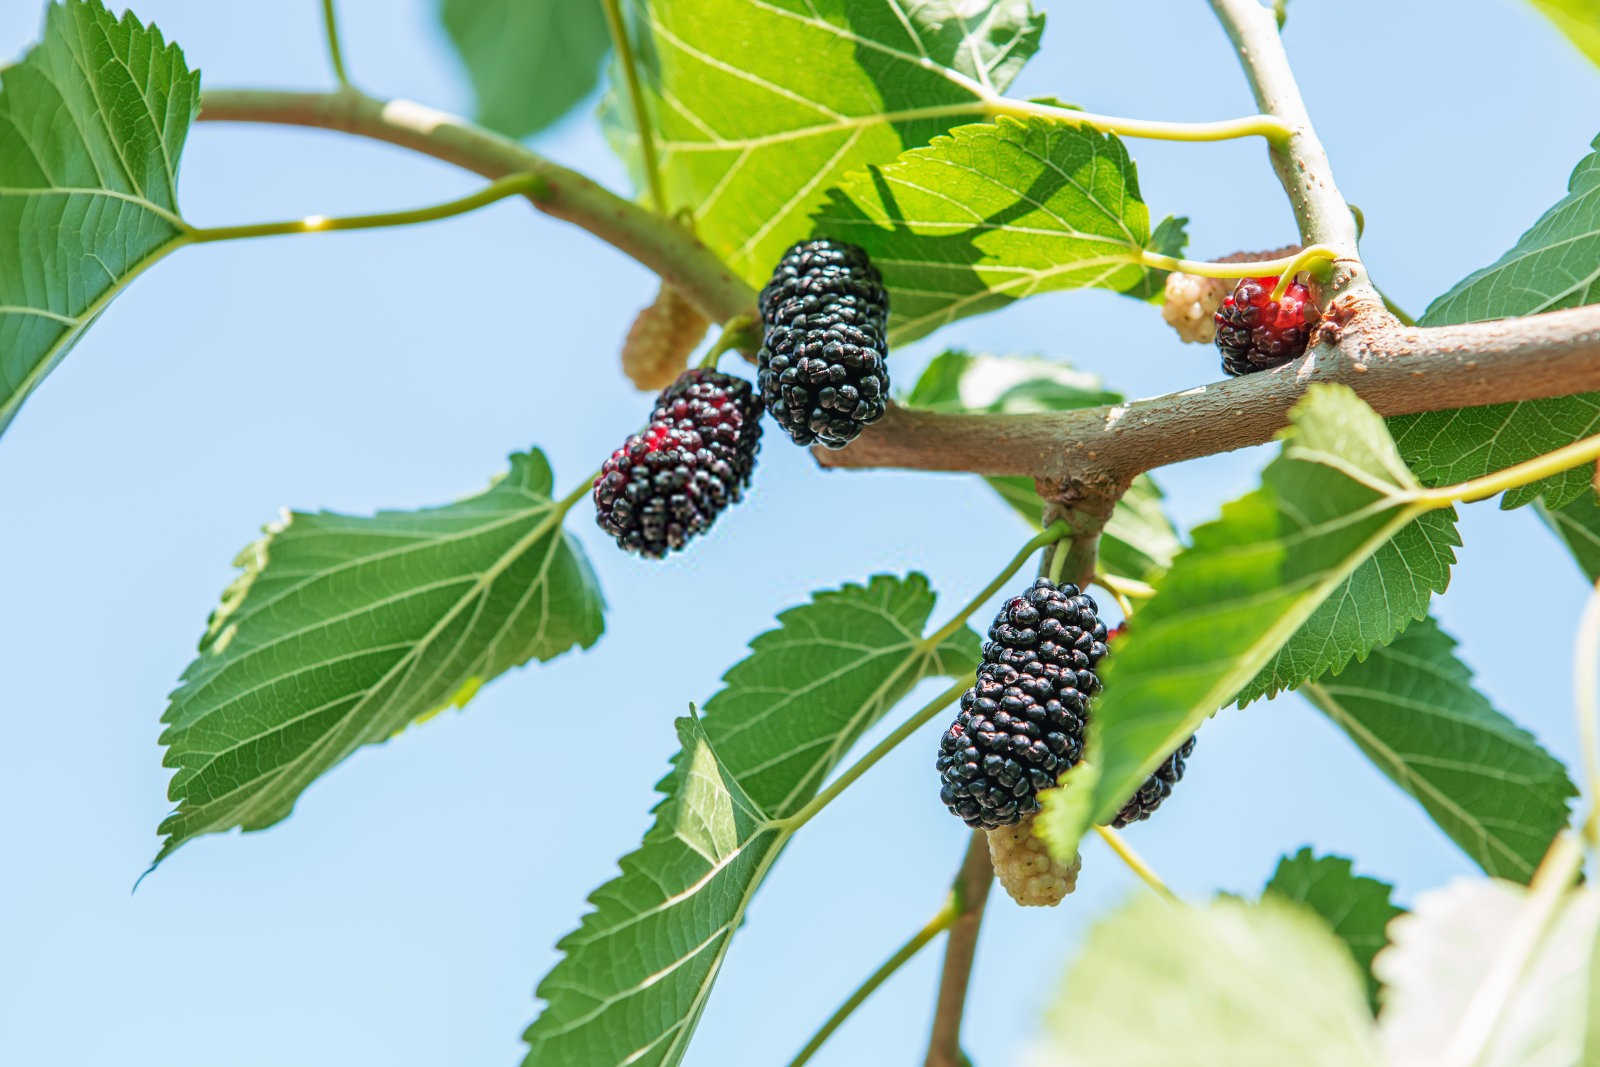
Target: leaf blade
1247 583
1226 982
1356 908
991 213
530 61
782 721
328 641
1412 709
750 137
91 197
1551 266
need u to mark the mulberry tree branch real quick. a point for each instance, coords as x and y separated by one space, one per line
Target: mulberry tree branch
971 890
1091 453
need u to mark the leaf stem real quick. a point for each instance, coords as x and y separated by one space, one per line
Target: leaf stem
941 921
641 118
330 23
1395 309
1282 267
742 332
1274 130
1135 862
1049 535
1586 693
861 766
511 185
583 489
1565 458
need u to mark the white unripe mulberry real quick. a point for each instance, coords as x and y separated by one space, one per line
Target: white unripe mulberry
1023 863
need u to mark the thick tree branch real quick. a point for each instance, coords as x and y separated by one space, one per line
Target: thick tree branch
660 244
1398 370
971 889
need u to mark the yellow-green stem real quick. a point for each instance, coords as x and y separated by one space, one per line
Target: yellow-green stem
641 117
941 921
330 23
1274 130
741 332
878 751
1305 259
511 185
1585 451
1051 534
1135 862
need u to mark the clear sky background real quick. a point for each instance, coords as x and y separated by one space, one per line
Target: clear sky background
404 913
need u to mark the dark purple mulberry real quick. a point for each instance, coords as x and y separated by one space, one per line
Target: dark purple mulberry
822 365
671 480
1021 725
1156 788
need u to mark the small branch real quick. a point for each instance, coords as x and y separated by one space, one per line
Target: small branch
1285 266
330 24
641 117
935 926
659 243
1398 370
972 891
1323 215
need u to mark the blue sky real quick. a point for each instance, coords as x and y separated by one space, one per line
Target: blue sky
404 913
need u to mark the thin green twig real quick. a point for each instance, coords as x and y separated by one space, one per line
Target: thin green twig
941 921
511 185
330 23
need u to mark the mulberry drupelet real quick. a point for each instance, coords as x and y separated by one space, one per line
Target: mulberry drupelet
1021 726
671 480
821 368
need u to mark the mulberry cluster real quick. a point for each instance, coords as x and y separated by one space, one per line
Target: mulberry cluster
1156 788
821 368
671 480
1256 332
1021 726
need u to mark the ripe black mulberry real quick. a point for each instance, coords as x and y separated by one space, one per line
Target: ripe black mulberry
671 480
1022 724
822 367
1156 788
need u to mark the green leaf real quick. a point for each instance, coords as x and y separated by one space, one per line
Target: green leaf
1552 266
762 105
92 123
1578 524
1579 20
1139 540
637 972
1335 495
1461 980
1484 780
1356 907
343 630
1382 596
992 213
1224 983
530 61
